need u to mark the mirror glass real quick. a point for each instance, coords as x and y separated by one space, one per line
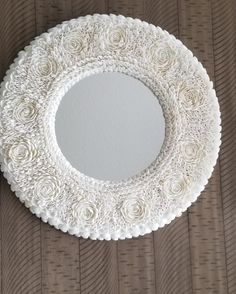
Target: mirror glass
110 126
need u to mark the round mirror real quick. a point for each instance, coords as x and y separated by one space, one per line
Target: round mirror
110 126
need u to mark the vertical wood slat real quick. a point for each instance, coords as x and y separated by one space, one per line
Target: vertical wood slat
224 46
20 230
17 28
172 258
171 244
81 8
205 216
60 252
135 257
136 265
163 13
98 261
82 270
21 254
49 13
60 262
133 8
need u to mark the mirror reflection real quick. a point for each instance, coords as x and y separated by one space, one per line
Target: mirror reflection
110 126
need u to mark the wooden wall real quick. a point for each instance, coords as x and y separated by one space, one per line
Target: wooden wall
196 253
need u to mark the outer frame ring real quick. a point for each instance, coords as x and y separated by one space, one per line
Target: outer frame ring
139 229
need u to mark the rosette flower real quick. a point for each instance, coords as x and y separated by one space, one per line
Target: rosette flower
134 209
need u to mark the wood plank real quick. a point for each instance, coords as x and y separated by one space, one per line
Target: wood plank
224 46
163 13
49 13
205 216
60 252
17 28
60 262
81 8
135 257
20 230
172 258
68 266
98 261
133 8
136 266
21 254
171 244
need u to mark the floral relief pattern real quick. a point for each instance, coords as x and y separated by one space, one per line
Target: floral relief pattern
21 152
116 38
32 161
84 210
75 42
175 186
190 97
44 67
25 112
46 189
192 151
162 56
134 209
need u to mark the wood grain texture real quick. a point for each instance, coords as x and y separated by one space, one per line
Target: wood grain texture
196 253
99 270
224 48
171 244
136 265
20 230
205 216
60 260
21 254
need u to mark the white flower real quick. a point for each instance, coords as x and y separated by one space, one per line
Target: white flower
161 56
84 210
116 39
47 188
21 151
191 151
25 112
75 42
190 97
44 67
134 209
175 186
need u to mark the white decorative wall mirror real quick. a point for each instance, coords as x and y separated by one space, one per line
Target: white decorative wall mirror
110 128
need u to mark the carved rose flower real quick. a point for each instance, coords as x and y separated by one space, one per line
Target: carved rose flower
47 188
162 56
175 186
22 151
191 151
25 112
190 97
84 210
45 67
134 209
75 42
116 39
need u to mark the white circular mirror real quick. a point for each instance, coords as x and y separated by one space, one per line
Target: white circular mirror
92 153
110 126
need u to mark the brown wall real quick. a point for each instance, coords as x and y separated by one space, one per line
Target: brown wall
194 254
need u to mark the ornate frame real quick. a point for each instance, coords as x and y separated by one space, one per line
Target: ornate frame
46 182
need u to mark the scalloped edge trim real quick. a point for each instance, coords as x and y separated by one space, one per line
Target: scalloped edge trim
141 229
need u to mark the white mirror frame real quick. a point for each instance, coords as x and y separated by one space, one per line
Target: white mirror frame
46 182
